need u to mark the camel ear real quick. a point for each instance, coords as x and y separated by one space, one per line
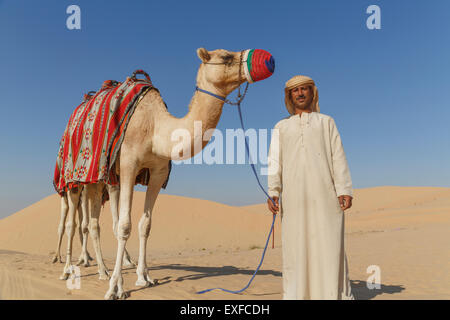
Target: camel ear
203 54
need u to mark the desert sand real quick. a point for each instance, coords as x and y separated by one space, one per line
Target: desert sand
198 244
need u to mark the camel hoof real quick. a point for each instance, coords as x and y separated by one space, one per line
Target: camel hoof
103 276
56 259
115 295
64 276
142 283
110 296
147 282
84 262
122 295
127 261
128 264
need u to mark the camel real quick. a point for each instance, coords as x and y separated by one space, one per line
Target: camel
88 220
148 143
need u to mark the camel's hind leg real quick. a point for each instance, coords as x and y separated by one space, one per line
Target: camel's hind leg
157 178
114 192
73 197
94 196
62 221
83 215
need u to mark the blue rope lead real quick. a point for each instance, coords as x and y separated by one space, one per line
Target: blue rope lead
254 274
273 221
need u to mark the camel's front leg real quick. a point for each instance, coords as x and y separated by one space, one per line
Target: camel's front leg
114 192
62 221
73 197
157 178
83 214
94 195
127 179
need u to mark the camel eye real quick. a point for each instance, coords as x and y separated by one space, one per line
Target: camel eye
227 58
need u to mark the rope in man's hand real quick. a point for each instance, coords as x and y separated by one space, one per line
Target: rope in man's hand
273 201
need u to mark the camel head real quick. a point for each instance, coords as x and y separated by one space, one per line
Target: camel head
226 70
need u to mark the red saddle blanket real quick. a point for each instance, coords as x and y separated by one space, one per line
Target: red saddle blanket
94 134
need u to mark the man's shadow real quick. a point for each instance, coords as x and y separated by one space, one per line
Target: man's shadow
362 292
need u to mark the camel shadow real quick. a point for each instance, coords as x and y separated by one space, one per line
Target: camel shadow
125 270
362 292
203 272
359 288
207 272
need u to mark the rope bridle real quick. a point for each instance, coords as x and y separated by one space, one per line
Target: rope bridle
237 103
240 97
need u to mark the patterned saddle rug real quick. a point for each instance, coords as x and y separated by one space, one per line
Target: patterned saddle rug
94 134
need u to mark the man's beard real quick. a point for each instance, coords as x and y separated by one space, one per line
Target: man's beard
306 105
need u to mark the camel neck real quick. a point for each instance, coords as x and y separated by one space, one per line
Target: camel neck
171 133
205 108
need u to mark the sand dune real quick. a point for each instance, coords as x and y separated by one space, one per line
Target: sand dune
196 244
179 224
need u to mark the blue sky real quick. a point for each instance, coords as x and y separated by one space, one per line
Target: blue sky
387 89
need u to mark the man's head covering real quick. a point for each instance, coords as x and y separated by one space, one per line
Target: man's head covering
300 81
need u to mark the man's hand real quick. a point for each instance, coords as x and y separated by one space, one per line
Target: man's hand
273 208
345 202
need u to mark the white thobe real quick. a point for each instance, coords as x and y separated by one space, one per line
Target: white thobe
312 173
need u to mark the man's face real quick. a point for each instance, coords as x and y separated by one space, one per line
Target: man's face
302 96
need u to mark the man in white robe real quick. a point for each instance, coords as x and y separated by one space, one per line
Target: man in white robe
310 181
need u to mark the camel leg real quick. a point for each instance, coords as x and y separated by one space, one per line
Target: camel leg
114 192
83 214
73 197
80 218
94 197
62 221
157 178
127 179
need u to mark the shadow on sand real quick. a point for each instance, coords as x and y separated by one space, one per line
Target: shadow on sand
206 272
359 288
362 292
203 272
